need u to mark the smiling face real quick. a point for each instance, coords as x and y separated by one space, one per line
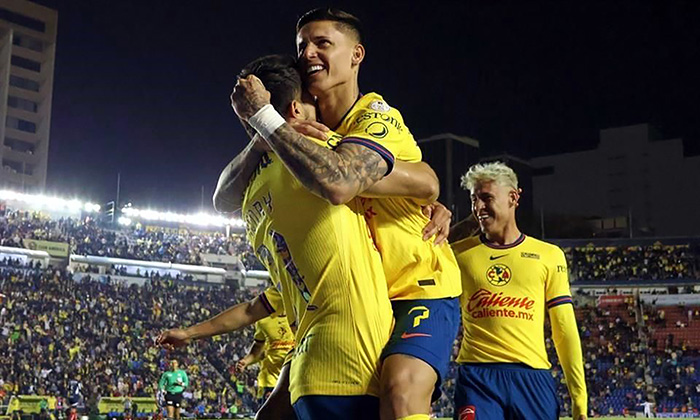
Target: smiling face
329 55
493 205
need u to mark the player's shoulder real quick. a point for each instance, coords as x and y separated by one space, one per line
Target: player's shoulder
375 102
373 106
466 245
546 249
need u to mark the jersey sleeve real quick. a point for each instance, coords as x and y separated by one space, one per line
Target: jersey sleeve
272 299
259 335
565 332
557 291
568 346
381 129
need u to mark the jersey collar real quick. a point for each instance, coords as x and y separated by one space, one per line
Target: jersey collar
347 113
489 244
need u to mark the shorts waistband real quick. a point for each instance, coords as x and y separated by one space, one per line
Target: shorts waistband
505 366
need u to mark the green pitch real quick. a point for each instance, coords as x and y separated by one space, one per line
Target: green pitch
563 418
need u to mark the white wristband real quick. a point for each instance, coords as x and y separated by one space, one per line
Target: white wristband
266 121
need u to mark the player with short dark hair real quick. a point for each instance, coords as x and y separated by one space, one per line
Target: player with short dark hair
343 20
423 277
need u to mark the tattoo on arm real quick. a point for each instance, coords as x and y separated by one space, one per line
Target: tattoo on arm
336 175
248 129
233 180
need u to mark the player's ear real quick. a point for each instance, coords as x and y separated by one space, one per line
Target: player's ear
515 196
358 54
295 110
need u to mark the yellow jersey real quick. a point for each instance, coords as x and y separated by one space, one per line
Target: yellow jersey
414 268
275 333
331 280
507 290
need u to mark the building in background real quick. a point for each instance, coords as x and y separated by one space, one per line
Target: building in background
450 156
634 183
27 54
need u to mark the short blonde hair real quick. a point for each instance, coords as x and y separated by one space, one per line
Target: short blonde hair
497 172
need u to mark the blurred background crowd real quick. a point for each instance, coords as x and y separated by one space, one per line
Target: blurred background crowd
56 331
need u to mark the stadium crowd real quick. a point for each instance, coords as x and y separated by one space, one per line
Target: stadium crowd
101 334
87 236
650 262
55 331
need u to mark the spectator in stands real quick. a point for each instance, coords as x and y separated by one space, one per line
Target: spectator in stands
48 315
88 237
652 262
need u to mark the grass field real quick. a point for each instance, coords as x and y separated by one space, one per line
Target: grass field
563 418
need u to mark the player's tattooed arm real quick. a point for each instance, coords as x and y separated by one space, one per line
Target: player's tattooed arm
228 196
335 175
408 179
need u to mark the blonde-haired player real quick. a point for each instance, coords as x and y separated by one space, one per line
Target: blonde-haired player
273 341
510 281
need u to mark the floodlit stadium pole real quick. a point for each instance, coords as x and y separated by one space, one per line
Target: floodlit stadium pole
119 182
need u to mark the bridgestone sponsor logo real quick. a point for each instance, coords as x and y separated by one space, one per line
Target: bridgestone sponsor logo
485 304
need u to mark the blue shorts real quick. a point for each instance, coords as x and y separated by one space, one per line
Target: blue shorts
325 407
497 391
425 329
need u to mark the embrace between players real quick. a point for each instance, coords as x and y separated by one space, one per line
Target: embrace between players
346 222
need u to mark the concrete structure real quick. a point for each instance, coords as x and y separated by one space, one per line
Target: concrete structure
27 53
450 156
634 177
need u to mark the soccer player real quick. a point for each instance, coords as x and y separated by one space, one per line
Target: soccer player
173 382
340 307
423 278
313 261
510 282
273 340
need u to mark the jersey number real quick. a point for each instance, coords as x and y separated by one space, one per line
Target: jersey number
286 256
425 314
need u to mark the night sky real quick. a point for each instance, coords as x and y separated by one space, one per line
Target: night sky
141 87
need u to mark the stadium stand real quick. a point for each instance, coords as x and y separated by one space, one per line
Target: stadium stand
630 259
87 236
55 330
637 347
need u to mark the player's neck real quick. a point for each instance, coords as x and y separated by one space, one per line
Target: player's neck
505 236
336 102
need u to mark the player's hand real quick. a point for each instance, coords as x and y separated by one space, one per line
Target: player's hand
310 128
241 365
248 96
172 339
439 225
